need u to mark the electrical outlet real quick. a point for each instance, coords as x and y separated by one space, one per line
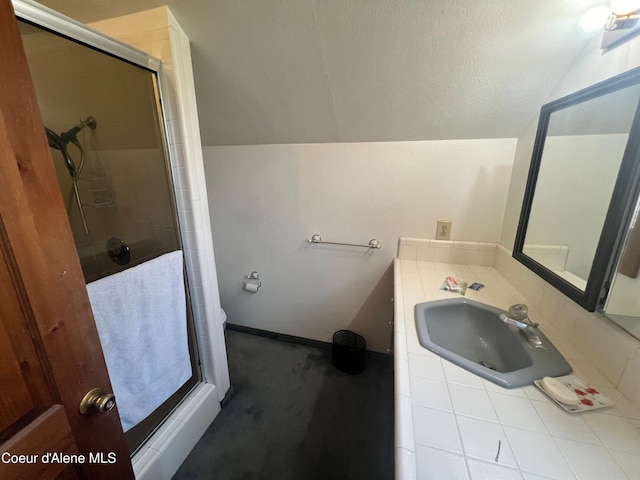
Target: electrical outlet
443 232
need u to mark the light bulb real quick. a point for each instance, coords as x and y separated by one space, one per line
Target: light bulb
595 18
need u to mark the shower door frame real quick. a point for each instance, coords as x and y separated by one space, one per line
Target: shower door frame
213 368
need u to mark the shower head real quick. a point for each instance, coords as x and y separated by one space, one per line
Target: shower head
60 142
56 141
70 135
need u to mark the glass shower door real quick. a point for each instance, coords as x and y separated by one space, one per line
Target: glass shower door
104 126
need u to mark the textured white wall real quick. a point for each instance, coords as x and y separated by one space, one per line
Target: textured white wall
357 71
272 72
266 200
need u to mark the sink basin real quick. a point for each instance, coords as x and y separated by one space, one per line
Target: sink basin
471 335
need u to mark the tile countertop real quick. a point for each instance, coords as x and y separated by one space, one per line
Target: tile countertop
450 423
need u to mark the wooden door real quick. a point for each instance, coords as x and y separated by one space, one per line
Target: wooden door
50 354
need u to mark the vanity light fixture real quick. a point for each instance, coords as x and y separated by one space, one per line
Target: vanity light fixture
622 23
595 19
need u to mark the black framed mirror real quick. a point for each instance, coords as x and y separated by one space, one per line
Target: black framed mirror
582 187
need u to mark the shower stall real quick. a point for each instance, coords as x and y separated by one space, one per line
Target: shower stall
105 123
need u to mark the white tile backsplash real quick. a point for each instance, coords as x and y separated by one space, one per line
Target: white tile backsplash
425 254
607 350
407 252
458 418
622 404
630 382
447 251
615 432
442 255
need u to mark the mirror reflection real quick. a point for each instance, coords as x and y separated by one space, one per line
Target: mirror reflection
582 189
112 174
581 158
623 303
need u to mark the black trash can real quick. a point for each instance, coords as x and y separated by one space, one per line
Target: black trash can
349 352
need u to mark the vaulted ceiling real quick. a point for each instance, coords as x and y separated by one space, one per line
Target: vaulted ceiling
293 71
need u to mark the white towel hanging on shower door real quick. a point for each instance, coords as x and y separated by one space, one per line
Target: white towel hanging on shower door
141 318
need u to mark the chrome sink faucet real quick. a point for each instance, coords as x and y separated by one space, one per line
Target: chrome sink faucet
520 318
520 312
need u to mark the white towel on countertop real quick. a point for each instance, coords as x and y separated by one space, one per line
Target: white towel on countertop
141 318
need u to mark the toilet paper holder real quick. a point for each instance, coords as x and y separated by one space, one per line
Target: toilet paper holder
252 282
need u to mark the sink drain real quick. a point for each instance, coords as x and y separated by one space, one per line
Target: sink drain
487 364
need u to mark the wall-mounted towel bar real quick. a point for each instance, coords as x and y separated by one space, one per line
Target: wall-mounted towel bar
373 243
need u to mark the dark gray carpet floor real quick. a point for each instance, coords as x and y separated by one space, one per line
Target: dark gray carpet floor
295 416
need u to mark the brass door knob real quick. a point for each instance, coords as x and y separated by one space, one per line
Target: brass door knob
97 401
